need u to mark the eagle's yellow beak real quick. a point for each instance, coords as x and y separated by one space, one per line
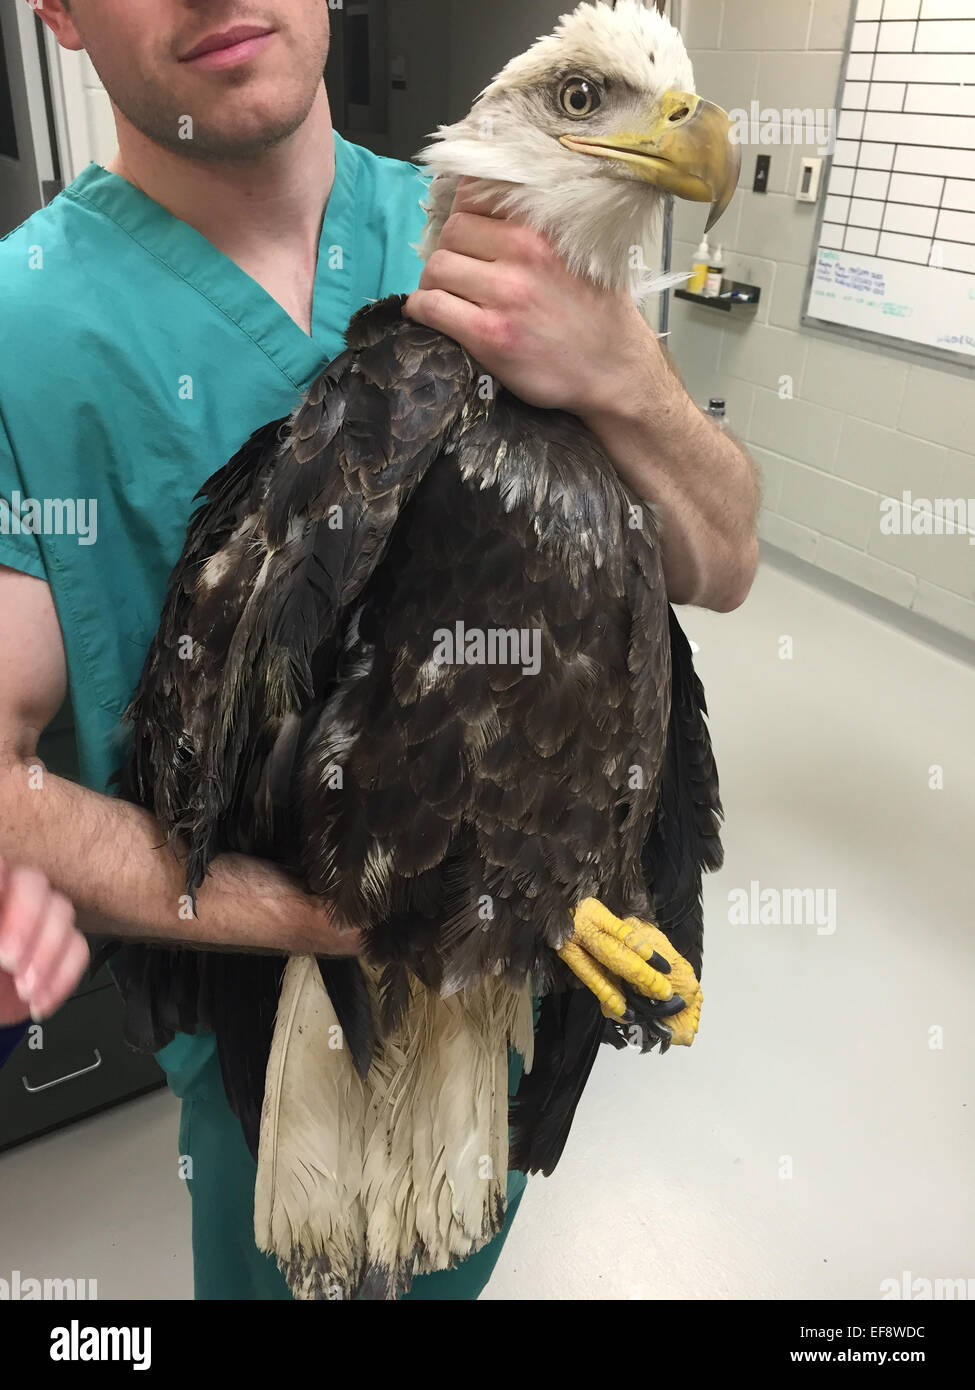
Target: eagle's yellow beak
686 149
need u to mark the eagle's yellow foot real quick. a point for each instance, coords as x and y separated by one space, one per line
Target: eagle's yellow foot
608 954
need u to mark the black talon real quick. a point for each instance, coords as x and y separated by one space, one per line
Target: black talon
668 1007
659 963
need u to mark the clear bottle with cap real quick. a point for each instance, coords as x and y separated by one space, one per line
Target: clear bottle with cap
715 275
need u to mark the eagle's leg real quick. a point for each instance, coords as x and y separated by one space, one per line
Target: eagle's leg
607 953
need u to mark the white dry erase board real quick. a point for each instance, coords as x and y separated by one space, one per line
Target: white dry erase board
894 257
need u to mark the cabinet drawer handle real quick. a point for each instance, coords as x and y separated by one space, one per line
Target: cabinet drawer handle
70 1076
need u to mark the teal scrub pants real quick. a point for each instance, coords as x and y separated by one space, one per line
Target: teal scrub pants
226 1262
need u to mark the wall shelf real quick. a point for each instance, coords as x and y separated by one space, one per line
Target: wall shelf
734 295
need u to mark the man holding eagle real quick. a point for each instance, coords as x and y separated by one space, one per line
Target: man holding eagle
403 853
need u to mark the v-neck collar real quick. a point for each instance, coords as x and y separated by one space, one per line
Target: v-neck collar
196 261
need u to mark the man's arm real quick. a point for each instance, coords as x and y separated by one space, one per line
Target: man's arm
561 342
108 857
699 478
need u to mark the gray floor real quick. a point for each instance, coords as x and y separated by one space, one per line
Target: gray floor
815 1055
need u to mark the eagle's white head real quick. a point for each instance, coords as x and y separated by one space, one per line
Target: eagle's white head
583 136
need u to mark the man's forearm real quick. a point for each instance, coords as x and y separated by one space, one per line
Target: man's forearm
112 860
698 478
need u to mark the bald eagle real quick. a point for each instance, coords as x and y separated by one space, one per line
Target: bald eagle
432 669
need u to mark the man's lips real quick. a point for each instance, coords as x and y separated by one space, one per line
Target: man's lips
232 46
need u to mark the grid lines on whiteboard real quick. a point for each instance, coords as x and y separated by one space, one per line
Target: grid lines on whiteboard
902 181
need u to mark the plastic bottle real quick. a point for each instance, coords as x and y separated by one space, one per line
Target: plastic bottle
699 268
715 275
716 410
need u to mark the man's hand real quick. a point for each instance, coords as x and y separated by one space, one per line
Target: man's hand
42 953
561 342
499 289
276 914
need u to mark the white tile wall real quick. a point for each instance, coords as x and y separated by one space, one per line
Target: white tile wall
864 422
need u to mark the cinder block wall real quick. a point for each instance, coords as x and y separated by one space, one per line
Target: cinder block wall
866 422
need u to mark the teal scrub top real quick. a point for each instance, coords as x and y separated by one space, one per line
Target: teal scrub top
135 359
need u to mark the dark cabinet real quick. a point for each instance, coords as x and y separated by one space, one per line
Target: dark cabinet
82 1066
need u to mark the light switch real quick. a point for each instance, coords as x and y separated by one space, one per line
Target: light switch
810 173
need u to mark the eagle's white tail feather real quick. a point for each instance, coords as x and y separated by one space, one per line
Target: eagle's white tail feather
402 1175
388 1192
467 1059
307 1197
437 1150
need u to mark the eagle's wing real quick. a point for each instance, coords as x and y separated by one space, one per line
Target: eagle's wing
684 837
292 528
253 622
179 990
163 766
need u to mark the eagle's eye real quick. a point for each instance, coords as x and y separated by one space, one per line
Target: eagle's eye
579 97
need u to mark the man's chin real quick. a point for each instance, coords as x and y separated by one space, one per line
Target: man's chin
227 138
234 146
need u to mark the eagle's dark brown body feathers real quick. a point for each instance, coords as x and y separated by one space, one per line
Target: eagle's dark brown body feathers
457 812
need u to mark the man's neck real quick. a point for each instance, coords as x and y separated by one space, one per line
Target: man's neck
264 213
